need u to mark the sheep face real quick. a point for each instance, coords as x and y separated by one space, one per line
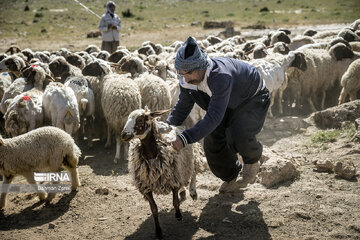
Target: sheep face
299 61
14 124
96 69
340 51
59 67
139 124
33 74
11 64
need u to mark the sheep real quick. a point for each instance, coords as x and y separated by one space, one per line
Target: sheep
104 55
155 92
86 103
272 70
133 65
92 48
118 55
316 80
119 96
62 69
350 82
60 108
24 113
155 166
42 149
12 64
76 60
34 77
13 49
5 82
300 41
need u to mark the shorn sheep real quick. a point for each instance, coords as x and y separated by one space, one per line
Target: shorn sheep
154 165
350 82
42 149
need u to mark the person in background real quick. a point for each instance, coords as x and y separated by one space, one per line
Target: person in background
236 101
109 26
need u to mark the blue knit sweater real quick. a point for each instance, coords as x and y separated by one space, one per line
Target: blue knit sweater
230 81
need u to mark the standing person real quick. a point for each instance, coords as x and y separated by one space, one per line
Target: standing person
236 101
110 25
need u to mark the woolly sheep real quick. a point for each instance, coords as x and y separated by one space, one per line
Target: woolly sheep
119 97
350 82
60 108
42 149
155 166
24 113
300 41
92 48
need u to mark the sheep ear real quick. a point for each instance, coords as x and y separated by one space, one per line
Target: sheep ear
159 113
47 76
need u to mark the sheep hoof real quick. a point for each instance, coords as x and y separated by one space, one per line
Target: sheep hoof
116 160
194 195
42 196
107 145
178 215
182 196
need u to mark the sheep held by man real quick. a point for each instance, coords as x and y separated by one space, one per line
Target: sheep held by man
42 149
154 165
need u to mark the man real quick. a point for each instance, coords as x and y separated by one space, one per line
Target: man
110 25
236 101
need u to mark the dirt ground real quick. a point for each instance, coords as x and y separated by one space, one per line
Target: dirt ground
314 206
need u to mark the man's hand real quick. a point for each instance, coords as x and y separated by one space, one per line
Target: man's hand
110 26
114 27
177 144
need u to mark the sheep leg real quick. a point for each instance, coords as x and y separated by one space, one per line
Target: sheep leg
272 98
182 193
154 210
4 189
192 189
118 150
30 179
90 130
176 203
75 182
353 95
322 106
311 104
108 139
342 96
281 111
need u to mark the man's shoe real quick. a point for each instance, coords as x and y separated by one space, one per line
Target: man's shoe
248 175
227 187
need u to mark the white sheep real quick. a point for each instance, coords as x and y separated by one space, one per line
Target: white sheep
272 70
12 64
60 108
155 166
350 82
86 103
42 149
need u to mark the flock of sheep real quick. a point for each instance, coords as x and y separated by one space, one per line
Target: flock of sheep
121 93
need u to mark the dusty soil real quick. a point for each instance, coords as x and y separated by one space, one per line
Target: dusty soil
314 206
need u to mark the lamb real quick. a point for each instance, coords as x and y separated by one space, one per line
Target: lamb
62 69
350 82
155 166
42 149
86 103
60 108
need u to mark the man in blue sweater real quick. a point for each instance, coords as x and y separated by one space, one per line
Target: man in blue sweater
236 101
